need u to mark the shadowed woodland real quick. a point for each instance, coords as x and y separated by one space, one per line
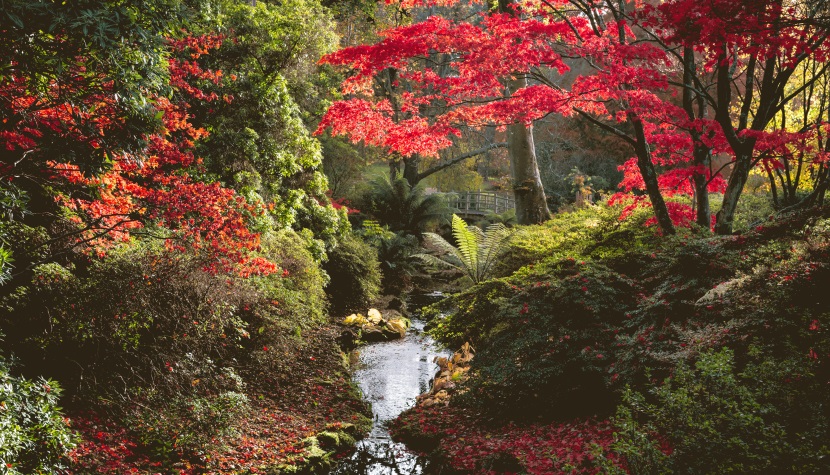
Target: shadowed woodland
209 209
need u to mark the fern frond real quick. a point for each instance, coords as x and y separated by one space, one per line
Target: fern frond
429 259
468 242
476 253
441 244
493 246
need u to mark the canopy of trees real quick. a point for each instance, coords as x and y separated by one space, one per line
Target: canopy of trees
680 81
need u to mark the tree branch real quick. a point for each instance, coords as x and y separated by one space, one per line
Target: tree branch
458 159
608 128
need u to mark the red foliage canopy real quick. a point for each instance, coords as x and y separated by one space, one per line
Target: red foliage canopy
454 72
156 187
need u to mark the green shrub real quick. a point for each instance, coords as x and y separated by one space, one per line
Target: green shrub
164 342
714 419
633 313
593 231
402 207
752 210
188 424
34 438
301 290
354 273
545 337
394 255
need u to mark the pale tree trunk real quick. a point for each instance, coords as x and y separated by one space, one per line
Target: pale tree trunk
531 203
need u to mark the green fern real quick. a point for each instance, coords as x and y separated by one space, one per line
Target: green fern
476 251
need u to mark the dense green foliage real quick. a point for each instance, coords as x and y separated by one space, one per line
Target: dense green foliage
401 207
34 436
566 333
354 271
395 251
758 420
258 141
175 349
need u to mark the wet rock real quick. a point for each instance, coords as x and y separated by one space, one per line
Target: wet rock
451 371
377 326
396 327
373 333
347 341
374 316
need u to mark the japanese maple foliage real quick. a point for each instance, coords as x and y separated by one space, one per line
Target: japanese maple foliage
738 56
154 190
746 54
483 55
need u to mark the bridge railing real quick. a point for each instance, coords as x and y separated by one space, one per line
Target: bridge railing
480 202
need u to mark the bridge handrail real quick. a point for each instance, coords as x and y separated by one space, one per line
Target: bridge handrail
478 202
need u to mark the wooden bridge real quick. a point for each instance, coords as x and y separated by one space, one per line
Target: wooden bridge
479 203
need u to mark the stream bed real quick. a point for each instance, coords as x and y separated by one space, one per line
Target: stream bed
391 375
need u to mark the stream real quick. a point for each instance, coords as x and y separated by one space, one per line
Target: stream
391 375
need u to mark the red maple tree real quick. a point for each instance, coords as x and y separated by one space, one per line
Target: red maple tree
155 190
667 79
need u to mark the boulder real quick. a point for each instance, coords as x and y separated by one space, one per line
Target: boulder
376 326
373 333
721 292
355 319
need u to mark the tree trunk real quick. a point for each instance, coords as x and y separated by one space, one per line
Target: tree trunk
394 170
737 180
649 174
701 153
531 204
703 215
410 170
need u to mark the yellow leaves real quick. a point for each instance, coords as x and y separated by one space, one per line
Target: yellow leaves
355 319
397 324
374 316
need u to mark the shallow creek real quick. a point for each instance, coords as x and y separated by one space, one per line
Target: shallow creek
391 375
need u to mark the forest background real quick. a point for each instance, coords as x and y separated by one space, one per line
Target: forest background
189 189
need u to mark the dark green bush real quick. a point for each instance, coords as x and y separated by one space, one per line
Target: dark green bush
394 255
354 271
714 419
395 252
189 423
545 337
568 333
34 439
402 207
163 342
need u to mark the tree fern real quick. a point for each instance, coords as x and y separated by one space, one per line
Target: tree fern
476 251
402 207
